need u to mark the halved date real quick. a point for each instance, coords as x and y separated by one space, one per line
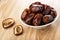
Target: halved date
8 22
18 30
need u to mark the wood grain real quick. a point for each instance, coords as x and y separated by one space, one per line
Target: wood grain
13 9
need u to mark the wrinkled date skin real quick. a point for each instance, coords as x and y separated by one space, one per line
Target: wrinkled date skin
37 19
29 18
36 7
47 18
46 9
53 13
24 14
38 14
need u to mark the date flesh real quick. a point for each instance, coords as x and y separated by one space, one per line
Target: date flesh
18 30
8 22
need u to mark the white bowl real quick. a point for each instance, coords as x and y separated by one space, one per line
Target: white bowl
42 26
38 27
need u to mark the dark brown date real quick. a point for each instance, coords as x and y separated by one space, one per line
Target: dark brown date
38 14
36 7
29 18
24 14
37 19
53 13
47 18
46 9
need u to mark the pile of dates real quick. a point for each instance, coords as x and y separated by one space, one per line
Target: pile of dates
38 14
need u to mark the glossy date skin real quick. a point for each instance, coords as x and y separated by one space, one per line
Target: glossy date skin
29 18
47 18
38 14
25 13
36 7
37 19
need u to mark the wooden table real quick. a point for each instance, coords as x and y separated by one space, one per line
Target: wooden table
13 9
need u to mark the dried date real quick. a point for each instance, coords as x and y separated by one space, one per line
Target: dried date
37 19
8 22
47 18
24 14
29 18
46 9
18 30
53 13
